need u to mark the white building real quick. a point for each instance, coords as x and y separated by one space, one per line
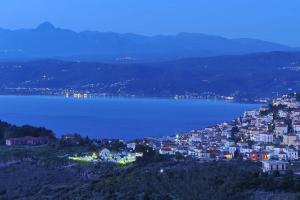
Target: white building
195 152
131 145
296 126
295 112
104 154
281 129
166 151
282 156
251 113
195 139
292 154
264 137
289 139
274 165
232 149
282 113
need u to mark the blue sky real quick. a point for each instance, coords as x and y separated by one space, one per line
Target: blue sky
273 20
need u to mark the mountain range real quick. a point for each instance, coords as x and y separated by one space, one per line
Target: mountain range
48 41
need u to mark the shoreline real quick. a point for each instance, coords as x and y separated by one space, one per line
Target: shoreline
137 97
158 135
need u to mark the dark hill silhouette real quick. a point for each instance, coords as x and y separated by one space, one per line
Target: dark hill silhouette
243 76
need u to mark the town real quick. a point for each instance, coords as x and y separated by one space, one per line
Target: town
270 135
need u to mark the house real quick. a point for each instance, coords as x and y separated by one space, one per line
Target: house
282 155
264 137
270 147
282 113
251 113
27 140
166 151
122 158
228 155
168 144
270 166
295 112
244 147
292 154
297 143
216 154
258 146
278 148
255 156
204 155
232 149
71 139
296 126
131 145
195 139
105 154
195 151
289 139
281 129
245 150
263 108
183 150
229 143
126 158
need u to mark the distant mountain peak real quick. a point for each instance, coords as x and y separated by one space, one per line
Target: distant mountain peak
46 26
47 41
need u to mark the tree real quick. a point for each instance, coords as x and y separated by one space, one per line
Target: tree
148 152
287 181
116 145
234 131
297 96
10 131
238 155
179 156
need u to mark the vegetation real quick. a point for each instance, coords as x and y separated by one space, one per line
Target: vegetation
48 175
116 145
234 131
11 131
45 172
297 95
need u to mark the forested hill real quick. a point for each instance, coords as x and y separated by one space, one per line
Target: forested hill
243 76
11 131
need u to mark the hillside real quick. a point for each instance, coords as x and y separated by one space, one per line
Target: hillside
244 76
11 131
42 172
48 41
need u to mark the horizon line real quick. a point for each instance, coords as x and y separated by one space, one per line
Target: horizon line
50 24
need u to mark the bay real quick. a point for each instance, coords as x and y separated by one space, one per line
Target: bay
117 117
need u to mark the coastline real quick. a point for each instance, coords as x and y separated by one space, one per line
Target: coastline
197 121
264 100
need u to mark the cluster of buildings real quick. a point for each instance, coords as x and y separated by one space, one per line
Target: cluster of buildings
270 135
122 157
126 156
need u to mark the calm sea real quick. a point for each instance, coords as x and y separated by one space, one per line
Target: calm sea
117 117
